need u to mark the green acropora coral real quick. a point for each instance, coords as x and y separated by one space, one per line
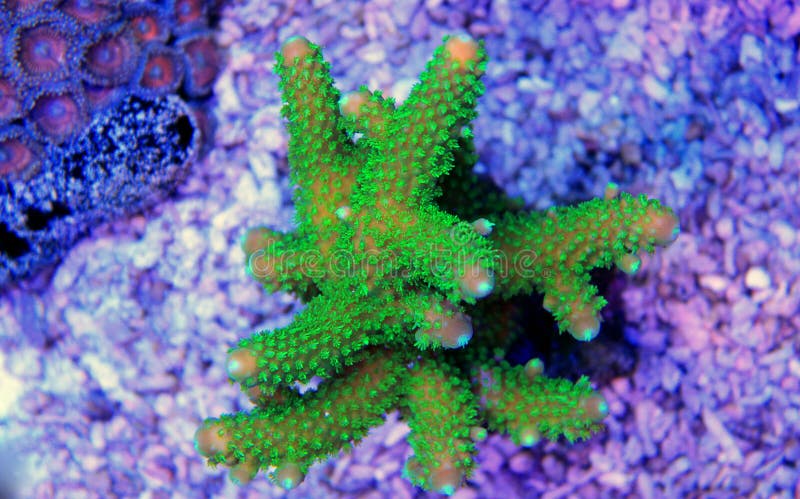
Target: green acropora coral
400 253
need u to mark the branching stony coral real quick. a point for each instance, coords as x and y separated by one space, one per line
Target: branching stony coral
400 252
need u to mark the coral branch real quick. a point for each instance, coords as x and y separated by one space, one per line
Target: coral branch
553 252
441 412
305 428
322 171
520 401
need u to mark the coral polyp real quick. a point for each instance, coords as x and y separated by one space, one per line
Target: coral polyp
188 13
19 157
94 13
147 23
100 98
10 104
111 59
59 114
43 48
20 7
202 63
161 71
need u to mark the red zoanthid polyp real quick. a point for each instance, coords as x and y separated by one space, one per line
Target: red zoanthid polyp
202 62
59 113
160 71
111 58
43 48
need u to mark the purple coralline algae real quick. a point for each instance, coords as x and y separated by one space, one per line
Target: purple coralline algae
71 72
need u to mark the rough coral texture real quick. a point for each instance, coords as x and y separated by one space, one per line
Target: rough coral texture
406 260
127 159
